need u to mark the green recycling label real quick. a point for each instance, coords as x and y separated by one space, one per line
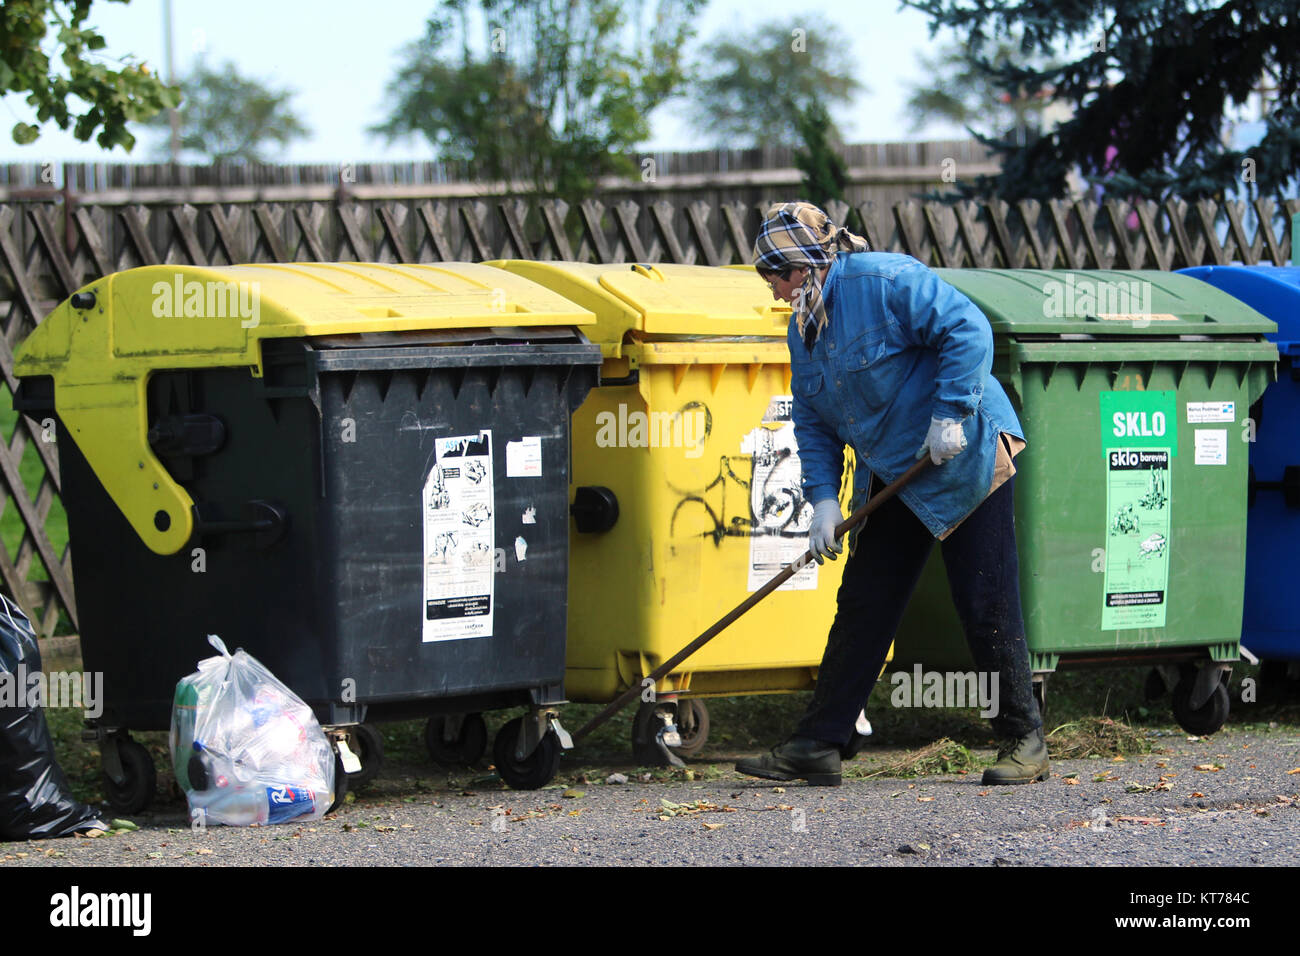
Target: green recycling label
1139 440
1137 538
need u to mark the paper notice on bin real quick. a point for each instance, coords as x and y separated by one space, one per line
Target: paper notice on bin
459 536
782 518
524 457
1211 446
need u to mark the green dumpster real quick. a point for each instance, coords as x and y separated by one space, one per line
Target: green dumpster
1133 389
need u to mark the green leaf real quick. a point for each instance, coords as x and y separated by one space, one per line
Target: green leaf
25 133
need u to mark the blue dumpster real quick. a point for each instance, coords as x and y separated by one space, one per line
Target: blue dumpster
1271 618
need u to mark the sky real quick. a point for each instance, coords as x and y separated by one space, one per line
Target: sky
338 56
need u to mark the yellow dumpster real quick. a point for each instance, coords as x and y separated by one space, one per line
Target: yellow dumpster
687 496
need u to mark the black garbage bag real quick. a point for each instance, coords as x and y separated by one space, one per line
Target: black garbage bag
34 800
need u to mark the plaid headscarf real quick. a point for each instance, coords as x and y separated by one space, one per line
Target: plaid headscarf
799 235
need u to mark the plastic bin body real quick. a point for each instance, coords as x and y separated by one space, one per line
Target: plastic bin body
1067 375
339 431
1270 625
704 349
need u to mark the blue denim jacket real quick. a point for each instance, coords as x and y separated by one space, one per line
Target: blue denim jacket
901 346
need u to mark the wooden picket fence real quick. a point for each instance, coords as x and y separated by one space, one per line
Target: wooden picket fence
48 249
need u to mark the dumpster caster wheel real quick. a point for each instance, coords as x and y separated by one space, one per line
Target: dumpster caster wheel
1209 717
136 791
693 725
368 744
340 784
648 749
532 772
467 748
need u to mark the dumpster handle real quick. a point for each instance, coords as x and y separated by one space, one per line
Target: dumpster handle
262 518
731 616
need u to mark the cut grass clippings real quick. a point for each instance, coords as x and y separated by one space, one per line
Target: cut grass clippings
944 756
1095 737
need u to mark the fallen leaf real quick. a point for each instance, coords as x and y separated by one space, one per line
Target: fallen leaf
1072 781
574 794
1118 759
203 851
1296 770
713 826
778 789
1197 793
1156 820
154 856
123 825
1208 767
924 799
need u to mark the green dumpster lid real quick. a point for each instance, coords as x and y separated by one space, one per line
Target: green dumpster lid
662 299
1103 302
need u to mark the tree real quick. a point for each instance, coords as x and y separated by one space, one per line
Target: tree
1150 92
34 35
753 88
556 92
961 91
825 176
226 117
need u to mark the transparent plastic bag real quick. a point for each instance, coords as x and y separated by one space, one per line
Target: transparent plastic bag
245 748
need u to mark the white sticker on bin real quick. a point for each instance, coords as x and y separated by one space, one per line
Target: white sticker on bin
524 457
1211 446
780 534
459 532
1198 412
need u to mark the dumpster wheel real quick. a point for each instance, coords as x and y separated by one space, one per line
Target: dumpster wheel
693 725
533 771
1207 719
340 784
135 792
367 743
467 745
655 737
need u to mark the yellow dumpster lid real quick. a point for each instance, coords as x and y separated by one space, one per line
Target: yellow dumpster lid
101 351
662 299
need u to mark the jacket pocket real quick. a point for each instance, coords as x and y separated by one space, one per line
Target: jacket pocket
808 383
875 371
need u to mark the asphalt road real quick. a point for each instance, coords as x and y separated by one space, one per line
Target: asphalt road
1242 807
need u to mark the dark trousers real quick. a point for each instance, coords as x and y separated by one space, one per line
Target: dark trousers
879 578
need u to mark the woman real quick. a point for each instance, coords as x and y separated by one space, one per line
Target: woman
887 358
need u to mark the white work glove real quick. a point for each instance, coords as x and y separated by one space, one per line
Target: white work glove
821 536
945 439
